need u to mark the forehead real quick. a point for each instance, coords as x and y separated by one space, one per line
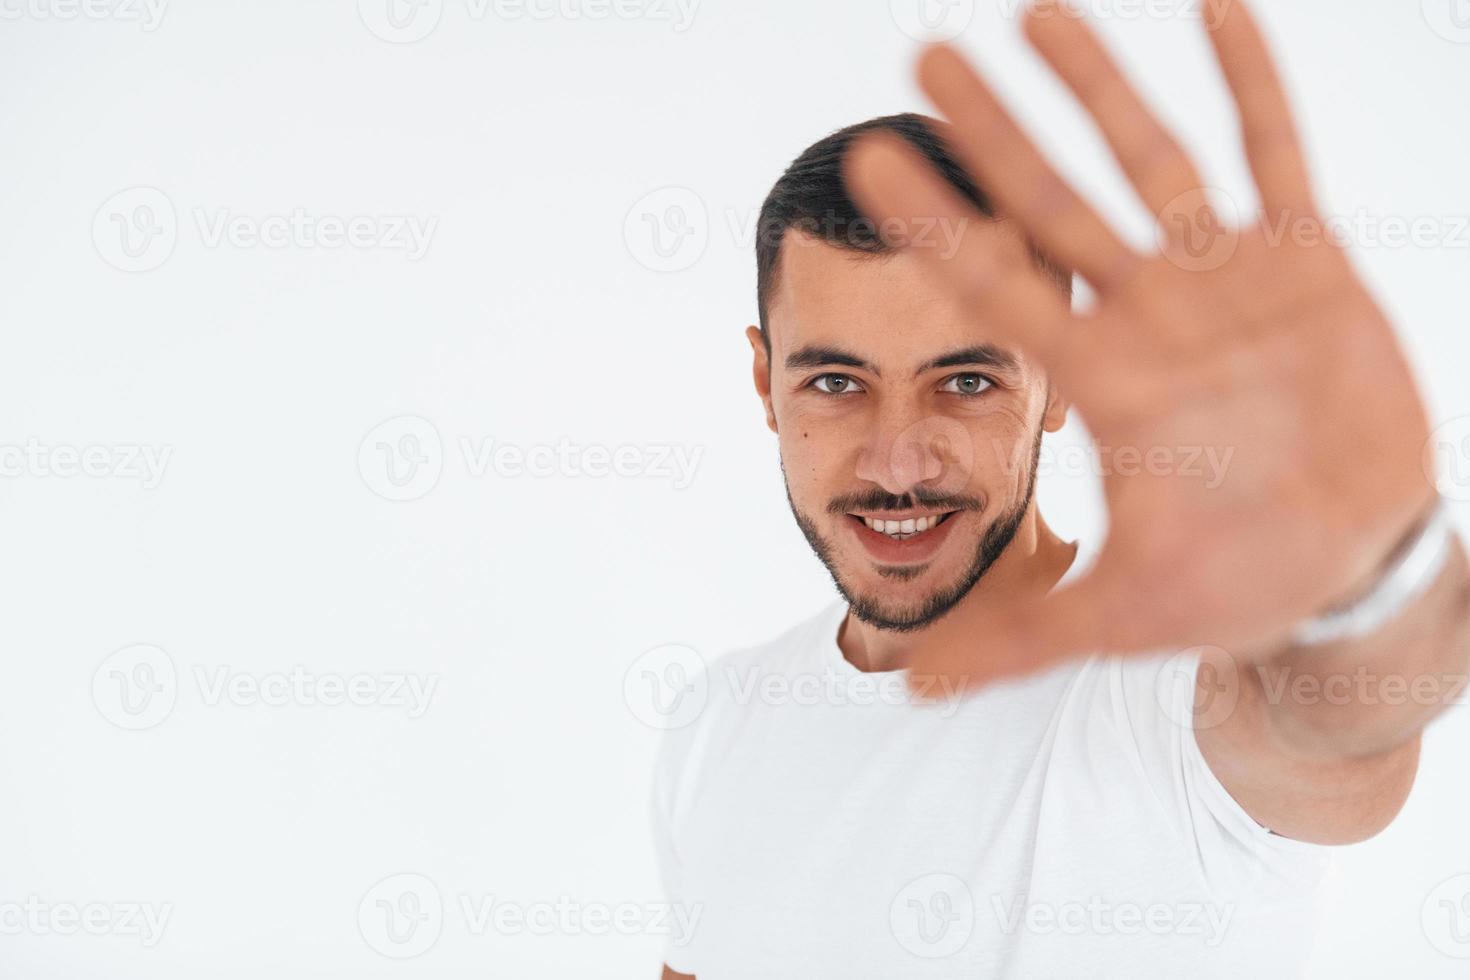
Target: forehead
886 306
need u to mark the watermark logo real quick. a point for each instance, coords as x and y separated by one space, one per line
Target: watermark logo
1198 688
667 230
1445 917
135 687
138 686
1200 230
1450 19
936 451
932 20
933 916
400 21
1446 458
1197 231
401 916
670 229
135 230
667 687
404 915
402 458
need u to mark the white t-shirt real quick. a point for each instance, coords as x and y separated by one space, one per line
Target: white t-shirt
814 822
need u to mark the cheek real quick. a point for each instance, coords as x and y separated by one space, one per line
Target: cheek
817 454
805 455
1003 442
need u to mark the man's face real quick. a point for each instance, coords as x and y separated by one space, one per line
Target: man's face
908 440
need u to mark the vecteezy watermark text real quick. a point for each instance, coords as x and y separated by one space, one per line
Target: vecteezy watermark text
934 916
403 915
148 14
138 229
567 916
669 686
409 21
37 917
303 688
403 458
669 229
137 687
117 461
1098 917
408 233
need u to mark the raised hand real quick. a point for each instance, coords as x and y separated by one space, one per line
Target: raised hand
1262 346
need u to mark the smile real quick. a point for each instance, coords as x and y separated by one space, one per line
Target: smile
904 528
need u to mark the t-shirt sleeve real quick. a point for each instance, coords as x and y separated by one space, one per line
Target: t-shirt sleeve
1153 700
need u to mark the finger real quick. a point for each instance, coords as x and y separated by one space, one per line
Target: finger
896 188
1271 145
1011 170
1153 160
1023 638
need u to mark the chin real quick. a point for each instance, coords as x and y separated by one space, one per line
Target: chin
903 602
894 618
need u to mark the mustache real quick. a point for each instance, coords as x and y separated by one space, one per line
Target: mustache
880 500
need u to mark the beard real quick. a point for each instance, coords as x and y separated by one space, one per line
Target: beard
992 544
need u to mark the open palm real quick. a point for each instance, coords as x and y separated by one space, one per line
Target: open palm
1257 344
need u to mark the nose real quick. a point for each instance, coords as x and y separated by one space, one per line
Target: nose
911 449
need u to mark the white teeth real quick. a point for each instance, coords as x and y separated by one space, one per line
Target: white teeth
905 528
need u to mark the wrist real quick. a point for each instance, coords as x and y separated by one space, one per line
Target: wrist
1416 559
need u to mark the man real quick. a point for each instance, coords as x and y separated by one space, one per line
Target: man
1166 805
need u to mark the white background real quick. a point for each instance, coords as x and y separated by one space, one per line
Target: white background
538 316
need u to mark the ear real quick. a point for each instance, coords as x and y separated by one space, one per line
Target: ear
1054 416
760 370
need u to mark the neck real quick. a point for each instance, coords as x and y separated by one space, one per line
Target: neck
1032 563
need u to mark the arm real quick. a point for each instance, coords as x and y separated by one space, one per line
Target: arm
1260 347
1322 743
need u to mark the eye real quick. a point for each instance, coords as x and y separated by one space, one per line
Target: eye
966 384
836 384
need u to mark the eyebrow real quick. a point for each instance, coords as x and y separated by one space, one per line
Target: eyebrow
823 355
987 354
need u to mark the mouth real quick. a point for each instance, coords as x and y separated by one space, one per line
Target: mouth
911 538
905 527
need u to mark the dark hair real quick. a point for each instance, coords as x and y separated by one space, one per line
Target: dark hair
812 197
